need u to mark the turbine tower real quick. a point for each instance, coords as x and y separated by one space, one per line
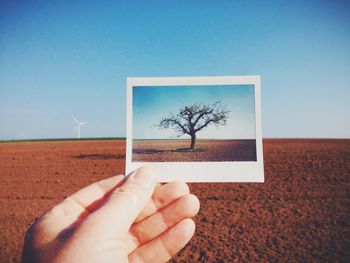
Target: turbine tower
77 126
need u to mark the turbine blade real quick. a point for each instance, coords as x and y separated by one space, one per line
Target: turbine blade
75 120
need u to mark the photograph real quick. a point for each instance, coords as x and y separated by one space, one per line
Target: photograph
201 122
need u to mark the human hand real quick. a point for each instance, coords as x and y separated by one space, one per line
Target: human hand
115 220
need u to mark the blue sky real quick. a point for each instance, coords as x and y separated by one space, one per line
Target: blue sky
151 104
63 58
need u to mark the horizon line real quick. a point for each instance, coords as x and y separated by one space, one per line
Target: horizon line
124 138
63 139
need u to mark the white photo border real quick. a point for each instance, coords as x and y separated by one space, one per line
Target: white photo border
235 171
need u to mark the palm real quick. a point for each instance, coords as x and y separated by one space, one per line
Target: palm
161 229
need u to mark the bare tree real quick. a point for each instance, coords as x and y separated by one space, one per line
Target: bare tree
194 118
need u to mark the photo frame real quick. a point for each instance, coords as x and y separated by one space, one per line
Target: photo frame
196 129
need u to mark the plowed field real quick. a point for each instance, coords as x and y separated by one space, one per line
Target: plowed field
300 214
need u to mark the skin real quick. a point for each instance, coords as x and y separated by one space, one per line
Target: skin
118 219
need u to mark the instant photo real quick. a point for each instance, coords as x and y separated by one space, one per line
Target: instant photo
196 129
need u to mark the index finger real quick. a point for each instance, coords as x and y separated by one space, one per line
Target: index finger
163 196
75 208
83 202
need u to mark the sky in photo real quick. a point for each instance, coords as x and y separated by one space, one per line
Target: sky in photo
64 58
151 104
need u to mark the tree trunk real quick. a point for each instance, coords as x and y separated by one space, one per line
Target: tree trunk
193 141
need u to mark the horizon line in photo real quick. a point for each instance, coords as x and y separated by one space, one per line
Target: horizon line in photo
189 139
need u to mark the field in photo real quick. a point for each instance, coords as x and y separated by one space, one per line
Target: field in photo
206 151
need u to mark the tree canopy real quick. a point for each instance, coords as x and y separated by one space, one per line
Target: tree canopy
195 117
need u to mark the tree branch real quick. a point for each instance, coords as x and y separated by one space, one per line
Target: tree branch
198 114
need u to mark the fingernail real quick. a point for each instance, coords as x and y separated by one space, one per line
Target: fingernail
146 176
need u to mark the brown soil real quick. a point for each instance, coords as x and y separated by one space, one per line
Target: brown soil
300 214
206 151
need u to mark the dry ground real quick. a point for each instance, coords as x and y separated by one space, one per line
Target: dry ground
206 151
300 214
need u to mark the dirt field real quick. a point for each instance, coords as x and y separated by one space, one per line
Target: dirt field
206 151
300 214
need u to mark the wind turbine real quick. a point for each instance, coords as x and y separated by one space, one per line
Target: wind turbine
77 126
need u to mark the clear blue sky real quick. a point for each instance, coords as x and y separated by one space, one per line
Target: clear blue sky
63 58
151 104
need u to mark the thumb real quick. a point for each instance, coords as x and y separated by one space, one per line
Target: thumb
124 204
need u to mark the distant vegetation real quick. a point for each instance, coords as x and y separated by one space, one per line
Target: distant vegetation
64 139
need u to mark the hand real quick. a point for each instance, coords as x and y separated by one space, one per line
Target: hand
115 220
